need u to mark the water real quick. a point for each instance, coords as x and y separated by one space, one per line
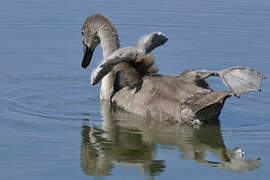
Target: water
53 127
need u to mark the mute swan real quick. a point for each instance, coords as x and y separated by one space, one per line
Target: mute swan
126 81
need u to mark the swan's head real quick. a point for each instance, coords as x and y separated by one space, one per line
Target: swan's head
97 28
89 43
90 38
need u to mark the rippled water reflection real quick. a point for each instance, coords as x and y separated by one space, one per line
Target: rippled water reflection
51 122
127 139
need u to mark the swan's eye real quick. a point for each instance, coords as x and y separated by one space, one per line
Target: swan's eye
82 32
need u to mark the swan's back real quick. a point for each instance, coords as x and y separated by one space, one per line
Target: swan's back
171 98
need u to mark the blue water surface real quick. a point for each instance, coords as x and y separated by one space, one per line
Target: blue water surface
52 125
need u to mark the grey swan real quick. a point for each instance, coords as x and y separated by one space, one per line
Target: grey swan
129 78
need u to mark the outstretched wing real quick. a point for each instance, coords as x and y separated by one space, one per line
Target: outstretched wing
151 41
128 54
121 55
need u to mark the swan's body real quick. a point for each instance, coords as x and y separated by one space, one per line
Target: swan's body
126 80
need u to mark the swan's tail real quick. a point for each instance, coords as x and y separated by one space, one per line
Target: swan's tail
207 106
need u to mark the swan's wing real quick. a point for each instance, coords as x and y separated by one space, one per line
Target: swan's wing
126 54
241 79
126 75
151 41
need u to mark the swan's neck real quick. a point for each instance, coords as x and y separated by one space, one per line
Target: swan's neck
109 42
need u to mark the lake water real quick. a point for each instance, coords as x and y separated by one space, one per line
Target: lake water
52 125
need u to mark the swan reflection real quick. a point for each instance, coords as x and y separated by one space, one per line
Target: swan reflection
128 140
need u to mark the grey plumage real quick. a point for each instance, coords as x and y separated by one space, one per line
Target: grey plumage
145 45
151 41
127 80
